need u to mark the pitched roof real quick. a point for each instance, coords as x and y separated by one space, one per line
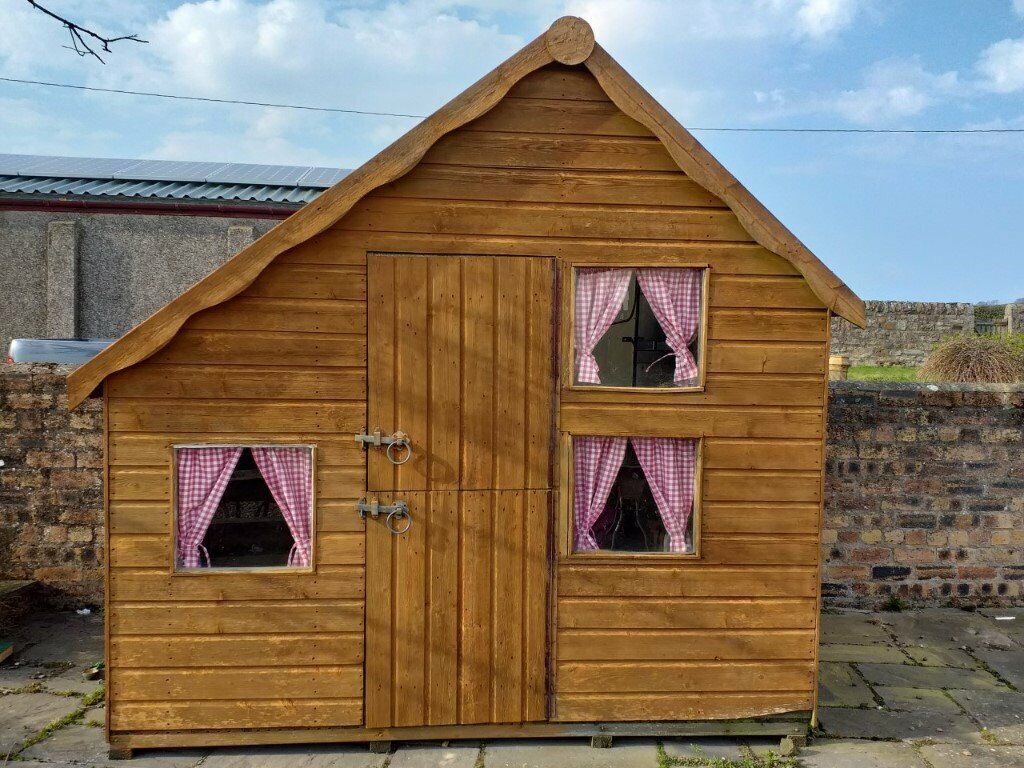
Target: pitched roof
53 176
568 41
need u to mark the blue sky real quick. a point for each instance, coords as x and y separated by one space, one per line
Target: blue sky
898 217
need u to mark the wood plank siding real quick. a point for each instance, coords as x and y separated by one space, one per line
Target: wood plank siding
555 170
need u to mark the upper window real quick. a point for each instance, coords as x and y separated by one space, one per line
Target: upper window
243 507
637 327
634 494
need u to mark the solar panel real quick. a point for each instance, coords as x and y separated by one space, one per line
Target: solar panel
72 167
170 170
250 173
323 177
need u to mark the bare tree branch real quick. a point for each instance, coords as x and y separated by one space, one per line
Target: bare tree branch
81 36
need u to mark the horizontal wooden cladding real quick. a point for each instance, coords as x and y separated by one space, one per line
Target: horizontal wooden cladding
737 453
264 348
160 586
203 684
756 485
722 549
153 551
677 706
226 715
686 613
224 618
345 246
240 382
780 292
691 421
469 217
154 483
303 315
767 324
767 357
255 416
285 281
721 389
496 149
580 645
662 580
562 116
759 518
684 676
259 650
154 449
559 82
547 185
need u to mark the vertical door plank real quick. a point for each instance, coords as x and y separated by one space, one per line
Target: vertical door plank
537 514
378 646
380 329
442 609
475 584
411 363
510 373
508 601
478 341
540 379
444 369
407 689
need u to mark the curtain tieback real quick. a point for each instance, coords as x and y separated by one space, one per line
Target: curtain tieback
667 354
205 552
295 550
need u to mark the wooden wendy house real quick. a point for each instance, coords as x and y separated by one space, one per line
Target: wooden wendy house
516 431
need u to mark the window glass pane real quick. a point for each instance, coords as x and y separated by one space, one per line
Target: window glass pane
628 342
230 502
633 494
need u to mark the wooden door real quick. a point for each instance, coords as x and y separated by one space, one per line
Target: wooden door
460 352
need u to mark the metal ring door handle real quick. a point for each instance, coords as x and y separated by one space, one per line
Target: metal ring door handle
401 442
400 513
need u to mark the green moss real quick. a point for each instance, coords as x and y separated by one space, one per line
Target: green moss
882 373
748 760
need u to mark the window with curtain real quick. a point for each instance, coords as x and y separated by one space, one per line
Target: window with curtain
637 327
243 506
634 494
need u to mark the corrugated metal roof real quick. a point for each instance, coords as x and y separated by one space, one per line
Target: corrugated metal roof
163 179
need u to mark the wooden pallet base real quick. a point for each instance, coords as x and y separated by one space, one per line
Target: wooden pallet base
794 724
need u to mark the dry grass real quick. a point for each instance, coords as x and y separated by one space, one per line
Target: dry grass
976 359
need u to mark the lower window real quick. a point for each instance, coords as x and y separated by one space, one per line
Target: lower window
634 494
243 506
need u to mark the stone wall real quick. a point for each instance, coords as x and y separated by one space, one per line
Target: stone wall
924 492
900 332
51 492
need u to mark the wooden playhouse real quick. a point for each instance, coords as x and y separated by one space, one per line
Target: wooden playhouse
516 431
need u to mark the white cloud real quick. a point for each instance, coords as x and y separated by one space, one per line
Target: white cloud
1001 66
818 19
1018 7
895 89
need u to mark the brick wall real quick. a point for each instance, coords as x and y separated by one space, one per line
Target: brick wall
924 492
900 332
51 495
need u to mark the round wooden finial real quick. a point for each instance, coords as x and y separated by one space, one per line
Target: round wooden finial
569 40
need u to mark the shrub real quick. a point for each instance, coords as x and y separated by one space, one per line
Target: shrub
976 359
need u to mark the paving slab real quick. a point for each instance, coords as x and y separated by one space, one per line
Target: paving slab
1008 664
16 677
72 680
1002 713
933 656
955 756
840 686
26 714
852 628
293 756
884 724
433 756
557 753
946 628
835 753
728 749
877 653
929 677
85 744
61 637
917 699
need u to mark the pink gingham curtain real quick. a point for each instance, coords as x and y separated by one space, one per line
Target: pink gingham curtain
670 465
599 296
596 462
288 473
203 474
674 296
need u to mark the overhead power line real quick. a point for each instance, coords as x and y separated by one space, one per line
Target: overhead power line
338 110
